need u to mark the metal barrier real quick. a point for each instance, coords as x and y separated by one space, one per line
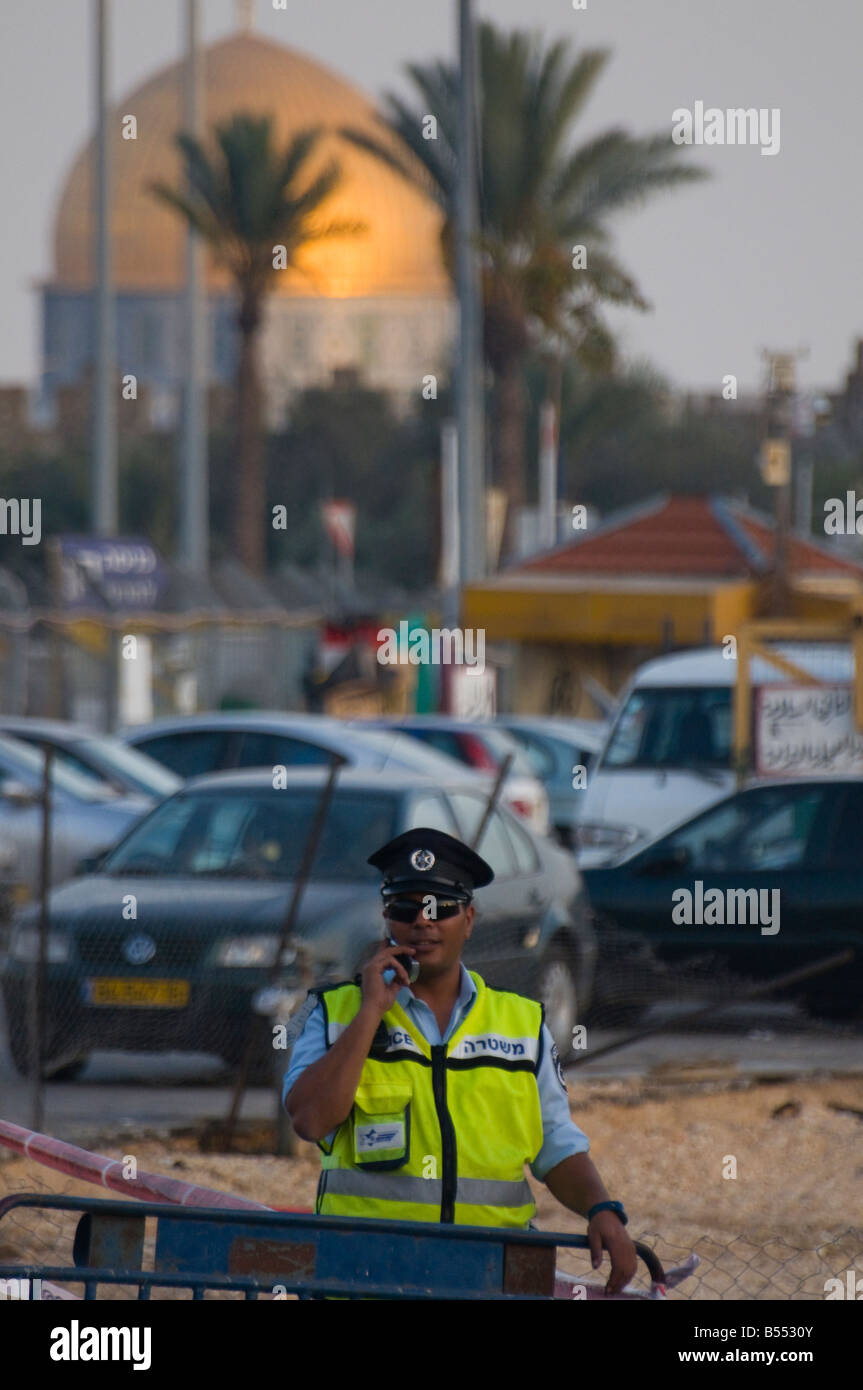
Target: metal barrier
311 1256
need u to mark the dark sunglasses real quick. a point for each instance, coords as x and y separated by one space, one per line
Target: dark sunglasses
403 910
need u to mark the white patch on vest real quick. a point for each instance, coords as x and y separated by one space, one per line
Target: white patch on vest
495 1045
400 1041
390 1135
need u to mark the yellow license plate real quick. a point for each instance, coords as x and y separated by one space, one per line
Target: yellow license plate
148 994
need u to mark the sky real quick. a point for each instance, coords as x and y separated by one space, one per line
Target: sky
764 254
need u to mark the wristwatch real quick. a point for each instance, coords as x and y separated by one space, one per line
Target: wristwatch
616 1207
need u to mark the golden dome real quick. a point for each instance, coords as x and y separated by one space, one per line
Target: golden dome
397 254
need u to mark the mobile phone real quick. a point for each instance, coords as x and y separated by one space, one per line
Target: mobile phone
411 965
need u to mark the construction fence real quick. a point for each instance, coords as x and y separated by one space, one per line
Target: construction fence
105 672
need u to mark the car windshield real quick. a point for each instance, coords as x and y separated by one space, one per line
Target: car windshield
673 727
125 766
256 834
21 760
768 828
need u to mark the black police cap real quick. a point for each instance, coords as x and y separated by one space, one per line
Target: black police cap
426 860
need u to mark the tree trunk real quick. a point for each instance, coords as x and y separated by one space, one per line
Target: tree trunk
249 480
509 436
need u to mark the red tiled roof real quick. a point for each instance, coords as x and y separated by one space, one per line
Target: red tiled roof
680 536
802 555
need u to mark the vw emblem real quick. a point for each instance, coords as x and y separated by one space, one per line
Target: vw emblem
138 950
422 859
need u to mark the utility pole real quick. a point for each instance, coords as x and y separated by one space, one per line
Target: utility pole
449 523
194 500
549 451
104 477
468 372
776 466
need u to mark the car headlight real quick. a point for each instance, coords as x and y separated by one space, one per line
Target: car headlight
253 951
613 838
24 946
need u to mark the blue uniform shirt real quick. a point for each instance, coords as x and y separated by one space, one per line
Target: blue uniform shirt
560 1136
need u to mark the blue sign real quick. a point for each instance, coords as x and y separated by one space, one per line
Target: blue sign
99 572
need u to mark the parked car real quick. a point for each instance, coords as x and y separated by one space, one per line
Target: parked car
216 742
109 763
483 748
668 753
555 749
85 819
211 872
794 848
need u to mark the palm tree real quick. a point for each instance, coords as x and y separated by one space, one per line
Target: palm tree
246 197
538 201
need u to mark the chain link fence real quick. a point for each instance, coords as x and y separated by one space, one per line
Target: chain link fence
74 669
739 1269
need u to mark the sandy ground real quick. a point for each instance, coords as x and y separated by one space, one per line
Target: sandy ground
792 1216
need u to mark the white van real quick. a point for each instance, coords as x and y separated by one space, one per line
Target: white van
668 753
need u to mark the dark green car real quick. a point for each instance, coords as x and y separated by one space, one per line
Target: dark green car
167 944
770 879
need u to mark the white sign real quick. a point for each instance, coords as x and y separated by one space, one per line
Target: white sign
472 693
340 524
807 731
135 689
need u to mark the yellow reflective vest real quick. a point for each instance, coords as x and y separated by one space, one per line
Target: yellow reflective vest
439 1133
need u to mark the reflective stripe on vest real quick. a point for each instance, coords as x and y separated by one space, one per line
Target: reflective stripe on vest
392 1187
441 1132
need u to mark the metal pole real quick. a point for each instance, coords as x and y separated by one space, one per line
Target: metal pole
194 501
547 475
450 528
781 395
502 774
805 475
37 996
112 677
469 405
104 485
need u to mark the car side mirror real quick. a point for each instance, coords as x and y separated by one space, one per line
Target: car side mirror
17 794
90 864
663 860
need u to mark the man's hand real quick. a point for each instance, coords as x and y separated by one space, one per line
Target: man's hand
321 1098
607 1231
377 994
576 1183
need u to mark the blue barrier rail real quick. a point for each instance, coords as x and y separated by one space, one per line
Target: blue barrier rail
256 1252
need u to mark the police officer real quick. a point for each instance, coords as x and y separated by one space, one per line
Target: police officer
426 1098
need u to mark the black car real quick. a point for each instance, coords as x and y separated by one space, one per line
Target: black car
769 879
166 945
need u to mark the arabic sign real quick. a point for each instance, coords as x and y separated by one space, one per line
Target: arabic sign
108 573
807 731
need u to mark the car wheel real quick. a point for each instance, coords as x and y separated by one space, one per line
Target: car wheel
556 988
19 1049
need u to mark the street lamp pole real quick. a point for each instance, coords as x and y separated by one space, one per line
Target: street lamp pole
468 383
194 501
104 477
